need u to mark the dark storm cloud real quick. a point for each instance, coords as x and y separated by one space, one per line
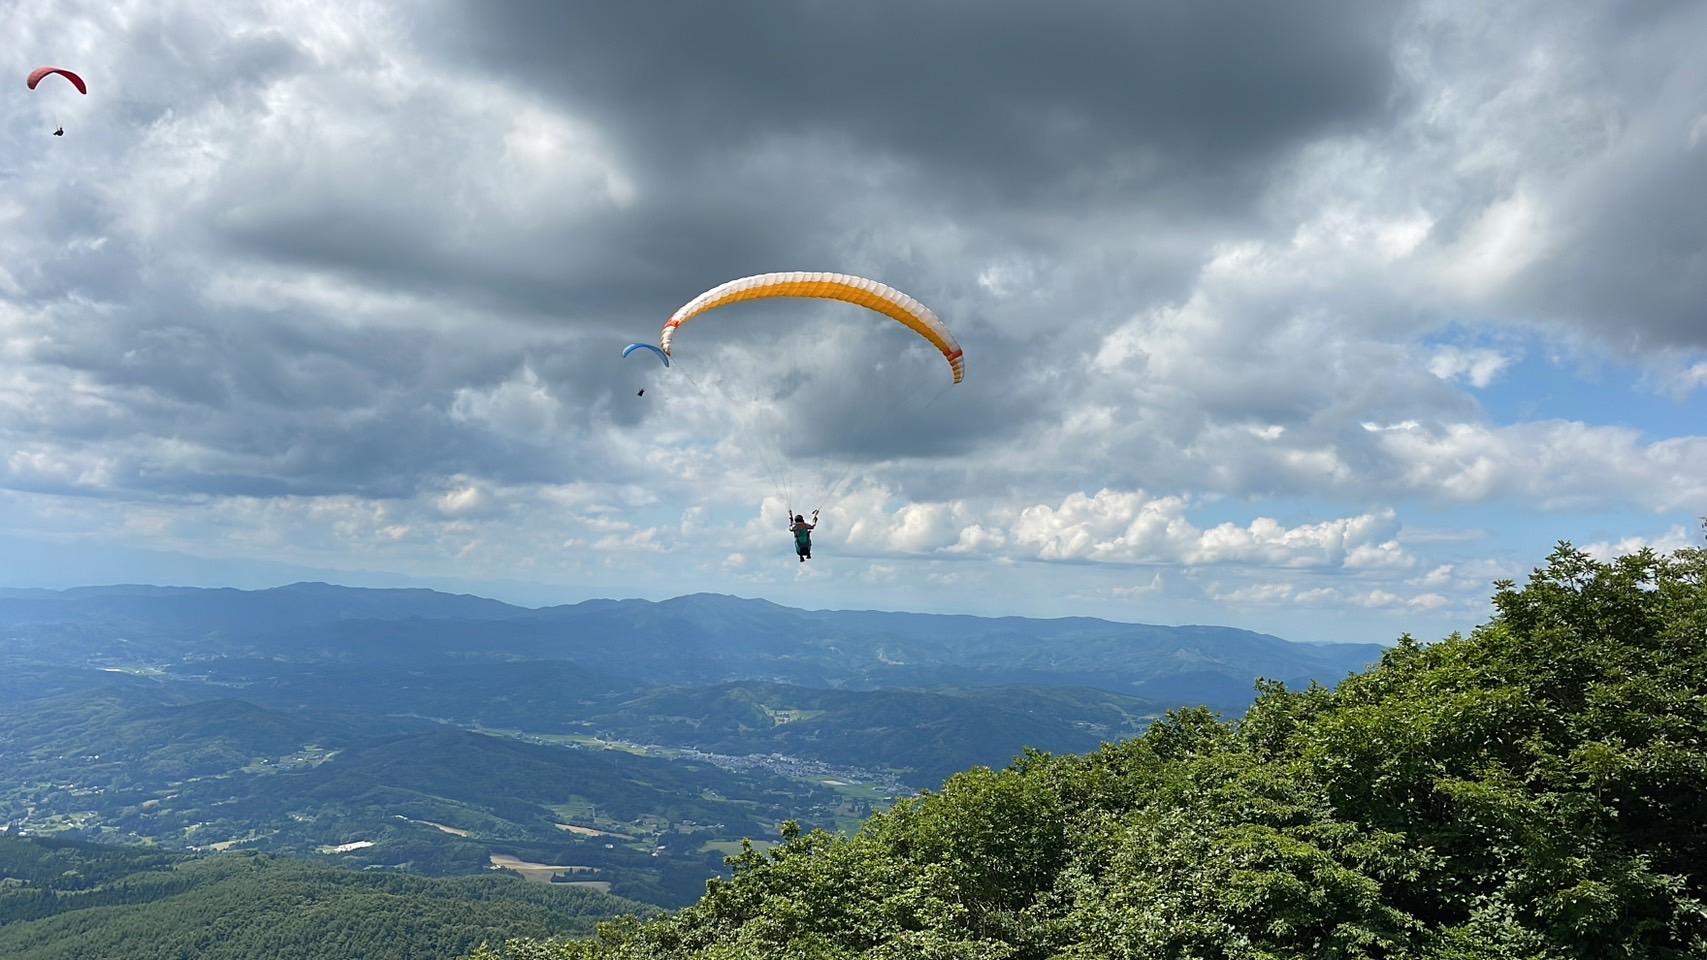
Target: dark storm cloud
1637 276
811 136
980 113
1596 117
606 268
875 392
1010 100
246 403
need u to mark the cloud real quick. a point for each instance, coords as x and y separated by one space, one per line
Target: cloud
1439 576
1276 593
1153 585
461 500
1111 526
1478 367
630 542
1259 593
1673 539
518 407
880 573
1551 465
1363 541
303 278
1108 98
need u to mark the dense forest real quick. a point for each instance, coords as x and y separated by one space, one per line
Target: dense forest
1531 790
63 900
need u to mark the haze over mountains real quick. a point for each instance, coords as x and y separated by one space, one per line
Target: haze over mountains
621 743
702 638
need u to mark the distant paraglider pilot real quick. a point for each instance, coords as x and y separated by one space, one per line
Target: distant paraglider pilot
803 535
663 357
41 73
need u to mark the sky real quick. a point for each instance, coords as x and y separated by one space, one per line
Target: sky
1314 318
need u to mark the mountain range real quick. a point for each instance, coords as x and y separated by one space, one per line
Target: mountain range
624 743
696 639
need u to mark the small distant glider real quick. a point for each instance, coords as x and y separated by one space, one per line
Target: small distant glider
41 73
646 346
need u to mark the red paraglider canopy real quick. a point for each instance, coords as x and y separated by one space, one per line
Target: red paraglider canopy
38 73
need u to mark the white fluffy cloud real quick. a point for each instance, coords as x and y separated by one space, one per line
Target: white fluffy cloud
1551 465
1675 538
1478 367
1110 526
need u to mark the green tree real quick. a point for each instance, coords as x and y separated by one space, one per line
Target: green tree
1531 790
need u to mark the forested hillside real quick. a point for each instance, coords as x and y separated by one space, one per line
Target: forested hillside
61 900
122 766
1532 790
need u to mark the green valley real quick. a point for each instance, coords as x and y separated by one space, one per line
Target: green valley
69 901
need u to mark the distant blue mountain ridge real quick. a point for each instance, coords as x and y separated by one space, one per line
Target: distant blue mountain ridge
153 686
689 640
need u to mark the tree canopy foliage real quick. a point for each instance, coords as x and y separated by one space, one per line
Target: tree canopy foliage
1532 790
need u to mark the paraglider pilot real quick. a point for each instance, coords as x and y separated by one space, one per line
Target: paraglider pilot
41 73
803 535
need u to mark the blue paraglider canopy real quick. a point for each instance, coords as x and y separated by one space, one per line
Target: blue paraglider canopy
646 346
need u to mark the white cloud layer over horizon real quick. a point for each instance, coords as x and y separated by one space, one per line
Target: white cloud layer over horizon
1313 318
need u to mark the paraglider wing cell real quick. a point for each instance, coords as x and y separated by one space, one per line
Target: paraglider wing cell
870 294
40 73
